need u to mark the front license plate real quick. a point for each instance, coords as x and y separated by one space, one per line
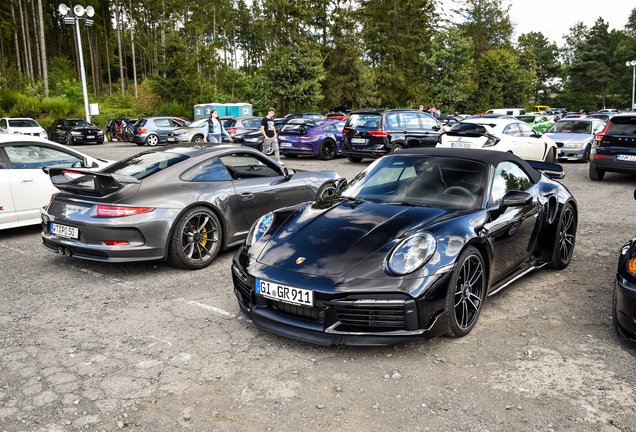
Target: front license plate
358 140
64 231
285 144
171 139
286 294
628 158
460 145
90 136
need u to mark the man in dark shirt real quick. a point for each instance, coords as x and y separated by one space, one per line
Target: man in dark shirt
269 133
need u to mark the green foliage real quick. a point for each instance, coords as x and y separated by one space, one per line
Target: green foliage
26 106
487 23
543 60
173 109
57 107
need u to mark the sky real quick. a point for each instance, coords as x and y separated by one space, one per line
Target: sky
554 18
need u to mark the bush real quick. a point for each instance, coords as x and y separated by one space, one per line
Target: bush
26 106
173 109
57 107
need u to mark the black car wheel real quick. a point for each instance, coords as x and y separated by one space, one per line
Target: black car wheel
466 293
551 156
327 150
397 147
152 140
565 238
196 239
326 190
198 138
586 154
596 174
353 159
614 312
68 139
269 150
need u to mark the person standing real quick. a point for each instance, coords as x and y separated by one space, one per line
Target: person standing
215 129
435 112
269 133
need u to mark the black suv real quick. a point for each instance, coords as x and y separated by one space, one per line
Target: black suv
614 149
374 133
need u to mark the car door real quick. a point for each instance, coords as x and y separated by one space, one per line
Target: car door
534 144
511 230
515 142
261 185
7 209
59 133
162 127
30 186
432 129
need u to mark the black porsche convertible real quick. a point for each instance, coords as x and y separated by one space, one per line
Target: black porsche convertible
410 249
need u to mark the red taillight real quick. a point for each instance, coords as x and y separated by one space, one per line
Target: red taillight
602 157
345 132
71 172
307 137
599 137
142 131
114 211
378 133
232 130
115 242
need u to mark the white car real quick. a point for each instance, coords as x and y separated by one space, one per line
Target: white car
22 126
503 134
24 187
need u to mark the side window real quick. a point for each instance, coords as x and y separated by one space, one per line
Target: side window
411 121
209 170
330 128
512 130
526 130
161 123
255 124
245 165
3 124
37 156
394 121
427 122
508 176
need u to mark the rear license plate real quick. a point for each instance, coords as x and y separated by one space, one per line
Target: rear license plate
64 231
285 144
628 158
286 294
90 136
358 140
460 145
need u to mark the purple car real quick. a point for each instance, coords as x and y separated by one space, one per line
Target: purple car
320 138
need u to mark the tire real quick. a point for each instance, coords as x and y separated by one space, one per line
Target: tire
586 154
152 140
326 190
565 238
140 144
195 240
466 293
68 139
269 150
327 150
354 159
551 156
397 147
595 174
614 312
197 138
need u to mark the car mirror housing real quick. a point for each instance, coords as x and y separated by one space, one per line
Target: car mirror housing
515 198
341 183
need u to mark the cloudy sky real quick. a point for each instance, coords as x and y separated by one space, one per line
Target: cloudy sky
554 18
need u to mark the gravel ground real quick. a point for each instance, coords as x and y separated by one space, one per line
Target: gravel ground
147 347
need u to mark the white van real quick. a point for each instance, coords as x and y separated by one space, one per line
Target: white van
507 111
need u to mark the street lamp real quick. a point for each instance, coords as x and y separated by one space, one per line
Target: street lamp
74 16
633 64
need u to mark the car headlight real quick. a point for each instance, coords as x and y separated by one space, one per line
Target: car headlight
184 134
259 229
251 140
17 133
411 254
76 133
100 132
572 145
44 135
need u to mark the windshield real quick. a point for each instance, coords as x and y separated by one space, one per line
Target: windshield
572 126
527 119
23 123
145 164
76 123
421 180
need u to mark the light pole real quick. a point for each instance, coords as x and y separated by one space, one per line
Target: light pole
633 64
74 16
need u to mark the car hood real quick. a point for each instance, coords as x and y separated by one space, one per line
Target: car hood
568 137
331 237
83 129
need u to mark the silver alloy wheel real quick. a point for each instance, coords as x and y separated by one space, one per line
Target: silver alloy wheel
152 140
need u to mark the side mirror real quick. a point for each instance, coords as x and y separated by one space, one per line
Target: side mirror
515 198
287 173
341 183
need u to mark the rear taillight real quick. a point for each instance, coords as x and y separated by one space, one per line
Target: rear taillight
345 132
115 242
115 211
307 137
142 131
599 137
378 133
232 130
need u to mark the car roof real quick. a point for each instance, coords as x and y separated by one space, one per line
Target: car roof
9 138
196 149
488 157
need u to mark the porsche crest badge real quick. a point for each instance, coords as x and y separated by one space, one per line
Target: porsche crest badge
300 260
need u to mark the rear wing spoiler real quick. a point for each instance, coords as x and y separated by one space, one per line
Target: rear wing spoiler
552 170
87 182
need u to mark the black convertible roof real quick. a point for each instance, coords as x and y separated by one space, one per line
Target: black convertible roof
490 157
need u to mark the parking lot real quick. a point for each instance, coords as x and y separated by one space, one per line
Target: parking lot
148 347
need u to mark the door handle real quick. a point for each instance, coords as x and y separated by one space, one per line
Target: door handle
27 181
245 196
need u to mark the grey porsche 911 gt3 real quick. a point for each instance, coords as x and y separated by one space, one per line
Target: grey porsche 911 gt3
180 203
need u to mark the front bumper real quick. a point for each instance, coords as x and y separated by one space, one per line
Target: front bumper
82 139
357 316
626 307
572 154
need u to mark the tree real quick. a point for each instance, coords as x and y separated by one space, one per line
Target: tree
449 64
546 64
487 23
